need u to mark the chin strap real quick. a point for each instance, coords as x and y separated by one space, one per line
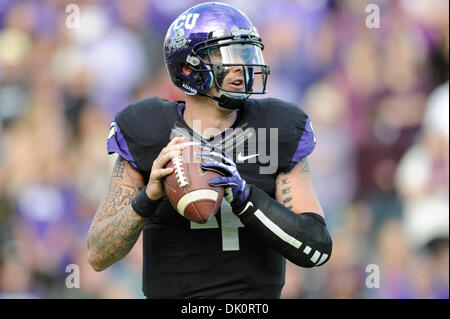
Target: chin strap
223 101
226 102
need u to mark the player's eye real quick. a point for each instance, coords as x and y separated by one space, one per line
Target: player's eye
215 54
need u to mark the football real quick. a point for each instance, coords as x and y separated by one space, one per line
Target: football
187 188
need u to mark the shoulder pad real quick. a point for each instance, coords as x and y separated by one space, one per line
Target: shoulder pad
138 131
295 132
143 120
284 115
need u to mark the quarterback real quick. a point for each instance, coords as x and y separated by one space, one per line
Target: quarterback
214 54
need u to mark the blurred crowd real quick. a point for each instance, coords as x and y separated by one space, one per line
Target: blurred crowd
378 99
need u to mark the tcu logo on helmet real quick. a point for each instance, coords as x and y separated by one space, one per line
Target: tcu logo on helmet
188 21
178 41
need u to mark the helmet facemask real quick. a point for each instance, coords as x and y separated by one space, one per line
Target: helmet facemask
248 58
214 59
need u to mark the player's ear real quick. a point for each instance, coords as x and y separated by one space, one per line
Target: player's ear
186 70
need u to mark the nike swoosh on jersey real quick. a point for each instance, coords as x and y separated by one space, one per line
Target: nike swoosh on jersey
241 158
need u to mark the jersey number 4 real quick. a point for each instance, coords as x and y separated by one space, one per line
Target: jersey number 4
230 224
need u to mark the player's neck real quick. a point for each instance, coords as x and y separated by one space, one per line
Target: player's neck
209 119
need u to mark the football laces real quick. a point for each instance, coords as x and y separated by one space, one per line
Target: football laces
181 177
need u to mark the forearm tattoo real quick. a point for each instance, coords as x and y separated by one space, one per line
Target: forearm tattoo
286 197
116 227
284 184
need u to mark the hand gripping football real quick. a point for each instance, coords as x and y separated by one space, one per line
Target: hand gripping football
187 188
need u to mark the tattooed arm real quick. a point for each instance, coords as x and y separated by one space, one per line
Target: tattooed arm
295 190
116 227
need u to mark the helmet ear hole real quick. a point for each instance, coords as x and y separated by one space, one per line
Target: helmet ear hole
186 69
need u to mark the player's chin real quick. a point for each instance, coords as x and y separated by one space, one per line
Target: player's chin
227 88
235 88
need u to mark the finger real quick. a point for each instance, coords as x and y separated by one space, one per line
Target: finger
159 174
219 181
209 156
176 140
228 195
206 146
218 155
165 158
210 153
209 147
219 171
217 167
173 147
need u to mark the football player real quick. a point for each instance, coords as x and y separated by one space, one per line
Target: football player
270 212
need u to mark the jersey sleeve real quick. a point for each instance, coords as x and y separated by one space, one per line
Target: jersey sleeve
296 138
117 144
140 130
306 143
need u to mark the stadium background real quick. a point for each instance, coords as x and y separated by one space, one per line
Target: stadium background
378 99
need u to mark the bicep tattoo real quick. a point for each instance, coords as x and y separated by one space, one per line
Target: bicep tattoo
304 165
119 168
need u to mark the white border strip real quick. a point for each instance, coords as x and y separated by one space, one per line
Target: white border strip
322 259
316 256
307 250
277 230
